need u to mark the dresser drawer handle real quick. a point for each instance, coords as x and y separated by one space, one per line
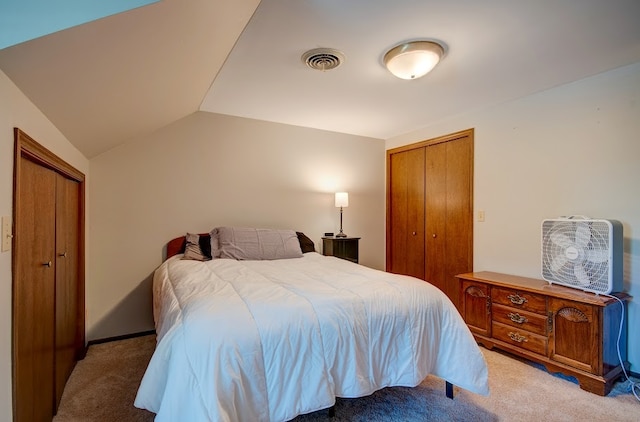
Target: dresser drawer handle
517 318
517 337
516 299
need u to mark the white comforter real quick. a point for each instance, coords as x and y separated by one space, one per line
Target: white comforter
269 340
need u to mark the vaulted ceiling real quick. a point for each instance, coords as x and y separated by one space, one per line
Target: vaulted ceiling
127 75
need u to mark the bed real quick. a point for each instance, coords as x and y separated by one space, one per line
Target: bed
267 339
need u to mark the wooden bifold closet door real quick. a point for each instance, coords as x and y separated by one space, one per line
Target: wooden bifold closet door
406 207
430 210
48 278
67 303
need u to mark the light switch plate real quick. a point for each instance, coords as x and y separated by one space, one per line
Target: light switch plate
6 233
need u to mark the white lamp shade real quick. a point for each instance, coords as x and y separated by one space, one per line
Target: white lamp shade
413 60
342 199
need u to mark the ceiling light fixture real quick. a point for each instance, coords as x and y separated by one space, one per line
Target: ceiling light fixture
413 59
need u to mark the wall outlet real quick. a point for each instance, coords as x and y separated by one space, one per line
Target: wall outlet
6 233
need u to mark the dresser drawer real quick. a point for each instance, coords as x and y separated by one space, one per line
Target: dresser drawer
521 300
519 318
521 338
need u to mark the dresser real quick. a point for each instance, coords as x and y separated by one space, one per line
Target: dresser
341 247
566 330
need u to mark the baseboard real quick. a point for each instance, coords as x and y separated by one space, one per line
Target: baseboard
122 337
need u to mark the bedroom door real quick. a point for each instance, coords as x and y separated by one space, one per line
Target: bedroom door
68 318
48 281
34 294
431 181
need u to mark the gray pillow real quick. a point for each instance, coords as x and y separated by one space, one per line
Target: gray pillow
254 244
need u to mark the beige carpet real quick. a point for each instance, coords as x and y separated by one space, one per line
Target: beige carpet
103 387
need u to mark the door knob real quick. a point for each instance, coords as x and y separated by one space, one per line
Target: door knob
47 264
434 235
414 233
63 255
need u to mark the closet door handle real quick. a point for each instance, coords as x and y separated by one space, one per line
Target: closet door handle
434 235
62 255
47 264
414 233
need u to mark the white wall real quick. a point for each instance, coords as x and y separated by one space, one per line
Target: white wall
209 170
17 111
570 150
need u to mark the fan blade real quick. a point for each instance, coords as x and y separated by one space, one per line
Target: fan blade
583 235
558 262
581 275
597 255
561 240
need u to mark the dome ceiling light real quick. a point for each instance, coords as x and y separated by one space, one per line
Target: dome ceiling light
414 59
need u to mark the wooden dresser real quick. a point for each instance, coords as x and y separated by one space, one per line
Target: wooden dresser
564 329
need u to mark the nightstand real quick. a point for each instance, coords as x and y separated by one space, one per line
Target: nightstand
341 247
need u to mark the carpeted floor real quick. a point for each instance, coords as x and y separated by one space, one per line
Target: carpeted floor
103 387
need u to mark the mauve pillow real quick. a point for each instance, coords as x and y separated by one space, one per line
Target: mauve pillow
244 243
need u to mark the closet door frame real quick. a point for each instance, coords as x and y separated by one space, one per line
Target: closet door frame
27 148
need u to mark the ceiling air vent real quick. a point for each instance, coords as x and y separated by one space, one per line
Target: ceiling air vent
323 58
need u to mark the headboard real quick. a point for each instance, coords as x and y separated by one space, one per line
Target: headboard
177 245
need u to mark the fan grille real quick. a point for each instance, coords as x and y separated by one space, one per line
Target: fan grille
577 253
323 58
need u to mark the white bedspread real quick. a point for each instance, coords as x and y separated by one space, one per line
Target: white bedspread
269 340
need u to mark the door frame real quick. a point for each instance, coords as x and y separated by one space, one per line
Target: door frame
27 148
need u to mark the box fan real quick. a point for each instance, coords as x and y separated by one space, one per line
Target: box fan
583 253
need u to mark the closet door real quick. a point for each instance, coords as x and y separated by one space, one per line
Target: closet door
405 212
449 213
431 181
34 293
67 301
48 278
436 215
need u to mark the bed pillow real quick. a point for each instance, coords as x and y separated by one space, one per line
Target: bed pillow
214 244
254 244
306 244
197 247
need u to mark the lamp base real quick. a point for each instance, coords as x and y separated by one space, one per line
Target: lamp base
341 233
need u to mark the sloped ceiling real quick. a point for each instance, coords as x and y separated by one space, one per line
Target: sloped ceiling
24 20
126 75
